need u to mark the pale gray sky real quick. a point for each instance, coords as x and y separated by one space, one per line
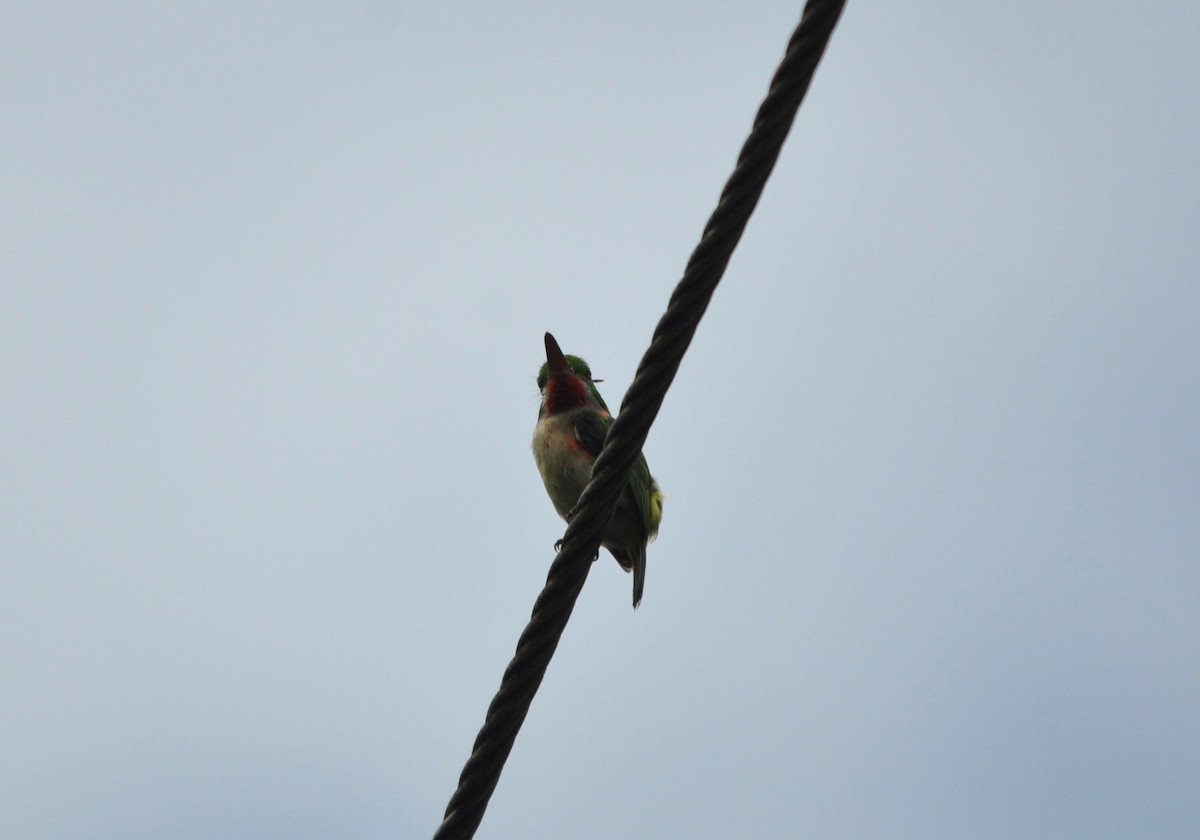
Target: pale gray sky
273 282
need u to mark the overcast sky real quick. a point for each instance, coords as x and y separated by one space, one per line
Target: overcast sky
273 283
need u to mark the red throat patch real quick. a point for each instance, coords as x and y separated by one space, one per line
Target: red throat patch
564 393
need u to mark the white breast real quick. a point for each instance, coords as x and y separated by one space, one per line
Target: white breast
564 466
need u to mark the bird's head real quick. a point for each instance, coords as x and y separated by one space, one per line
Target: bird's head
566 382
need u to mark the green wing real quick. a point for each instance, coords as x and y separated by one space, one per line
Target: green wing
590 430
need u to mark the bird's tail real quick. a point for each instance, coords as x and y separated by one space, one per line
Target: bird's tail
638 556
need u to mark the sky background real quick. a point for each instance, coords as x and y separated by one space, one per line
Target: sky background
273 283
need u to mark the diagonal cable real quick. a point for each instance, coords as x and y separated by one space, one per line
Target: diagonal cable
640 406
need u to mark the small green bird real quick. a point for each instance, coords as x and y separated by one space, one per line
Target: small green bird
572 424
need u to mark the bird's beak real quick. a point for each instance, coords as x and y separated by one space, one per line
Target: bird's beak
554 356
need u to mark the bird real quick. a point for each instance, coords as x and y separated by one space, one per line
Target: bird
571 426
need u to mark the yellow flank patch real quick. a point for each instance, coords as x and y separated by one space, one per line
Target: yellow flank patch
656 512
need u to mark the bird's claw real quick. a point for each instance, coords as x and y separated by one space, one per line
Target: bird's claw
558 547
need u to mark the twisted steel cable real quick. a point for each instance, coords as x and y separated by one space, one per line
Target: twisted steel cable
640 406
